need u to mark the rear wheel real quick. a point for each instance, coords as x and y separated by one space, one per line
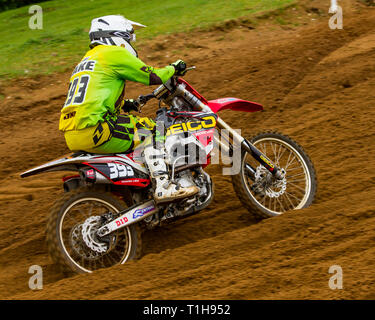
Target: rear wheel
71 232
261 193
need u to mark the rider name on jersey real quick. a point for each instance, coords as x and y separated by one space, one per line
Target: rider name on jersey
84 65
208 122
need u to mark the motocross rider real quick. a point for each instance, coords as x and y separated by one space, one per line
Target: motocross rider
91 119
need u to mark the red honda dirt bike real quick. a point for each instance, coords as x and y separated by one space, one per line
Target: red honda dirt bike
97 223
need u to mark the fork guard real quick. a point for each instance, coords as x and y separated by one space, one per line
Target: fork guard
263 160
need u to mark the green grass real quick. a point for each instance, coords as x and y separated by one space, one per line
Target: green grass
64 37
281 21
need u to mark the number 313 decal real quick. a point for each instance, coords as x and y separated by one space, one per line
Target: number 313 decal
117 170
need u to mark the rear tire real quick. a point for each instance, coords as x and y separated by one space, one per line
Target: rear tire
245 192
60 247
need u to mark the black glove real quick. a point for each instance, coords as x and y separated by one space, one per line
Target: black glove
129 105
180 67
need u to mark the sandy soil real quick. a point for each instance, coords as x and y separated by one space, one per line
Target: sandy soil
317 85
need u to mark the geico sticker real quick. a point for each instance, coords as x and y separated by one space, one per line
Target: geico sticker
117 170
206 123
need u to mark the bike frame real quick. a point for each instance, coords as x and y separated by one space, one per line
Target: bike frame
181 88
199 103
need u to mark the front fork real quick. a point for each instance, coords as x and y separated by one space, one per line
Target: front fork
251 149
238 140
262 159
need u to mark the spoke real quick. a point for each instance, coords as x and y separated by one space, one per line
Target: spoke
96 263
282 207
264 148
82 261
288 164
274 204
90 265
90 210
293 196
100 262
118 253
260 147
287 161
280 155
112 260
296 180
73 219
263 200
273 150
295 168
278 151
270 202
290 201
295 175
93 264
82 212
103 263
74 255
298 187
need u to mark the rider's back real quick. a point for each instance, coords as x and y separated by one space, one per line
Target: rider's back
96 84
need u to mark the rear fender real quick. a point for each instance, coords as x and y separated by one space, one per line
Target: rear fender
234 104
65 163
105 169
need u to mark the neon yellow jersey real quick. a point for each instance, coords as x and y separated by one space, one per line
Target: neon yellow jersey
98 81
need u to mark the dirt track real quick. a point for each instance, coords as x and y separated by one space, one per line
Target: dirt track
317 85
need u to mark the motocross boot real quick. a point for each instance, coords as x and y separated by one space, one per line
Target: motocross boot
165 190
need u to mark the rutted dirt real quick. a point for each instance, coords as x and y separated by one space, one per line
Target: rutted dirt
317 85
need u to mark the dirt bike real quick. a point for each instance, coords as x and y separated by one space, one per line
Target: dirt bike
97 223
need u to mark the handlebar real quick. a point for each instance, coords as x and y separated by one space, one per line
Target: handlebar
190 68
142 100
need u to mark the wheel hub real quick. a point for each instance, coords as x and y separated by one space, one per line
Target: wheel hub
267 184
89 228
79 246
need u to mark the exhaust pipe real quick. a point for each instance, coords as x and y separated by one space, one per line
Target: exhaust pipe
129 216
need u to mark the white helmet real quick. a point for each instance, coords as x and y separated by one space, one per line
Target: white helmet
113 30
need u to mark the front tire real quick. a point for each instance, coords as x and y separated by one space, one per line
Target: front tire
66 245
263 195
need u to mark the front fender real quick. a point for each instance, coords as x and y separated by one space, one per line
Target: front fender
234 104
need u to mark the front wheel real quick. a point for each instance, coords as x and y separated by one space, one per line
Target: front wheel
71 232
264 195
